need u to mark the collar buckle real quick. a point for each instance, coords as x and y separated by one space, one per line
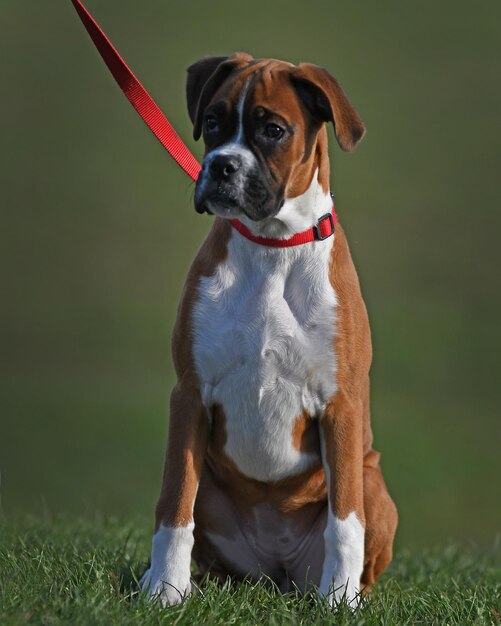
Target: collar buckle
316 228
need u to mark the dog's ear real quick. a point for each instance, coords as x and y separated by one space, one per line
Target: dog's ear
198 75
324 98
204 78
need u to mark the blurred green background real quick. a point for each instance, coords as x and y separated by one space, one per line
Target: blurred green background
98 230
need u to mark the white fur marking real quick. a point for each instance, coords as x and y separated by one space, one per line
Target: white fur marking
344 559
168 578
240 112
236 145
344 553
263 344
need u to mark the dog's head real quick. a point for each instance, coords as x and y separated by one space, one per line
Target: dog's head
263 124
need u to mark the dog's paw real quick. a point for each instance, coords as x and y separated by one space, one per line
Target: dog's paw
342 594
167 587
168 579
343 561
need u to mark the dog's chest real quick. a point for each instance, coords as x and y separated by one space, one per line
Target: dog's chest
264 351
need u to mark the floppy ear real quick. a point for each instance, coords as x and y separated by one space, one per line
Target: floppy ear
324 98
204 78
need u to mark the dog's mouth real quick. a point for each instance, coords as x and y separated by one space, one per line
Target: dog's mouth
230 203
222 201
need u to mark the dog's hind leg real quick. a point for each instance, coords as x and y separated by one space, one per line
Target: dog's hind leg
381 520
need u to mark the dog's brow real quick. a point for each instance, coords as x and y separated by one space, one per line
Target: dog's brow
219 108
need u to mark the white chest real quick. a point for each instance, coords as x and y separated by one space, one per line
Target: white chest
264 349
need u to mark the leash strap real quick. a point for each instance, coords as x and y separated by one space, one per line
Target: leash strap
170 140
138 96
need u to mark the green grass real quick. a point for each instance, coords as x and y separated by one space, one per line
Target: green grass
73 571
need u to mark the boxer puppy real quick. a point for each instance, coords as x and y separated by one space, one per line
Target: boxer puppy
270 467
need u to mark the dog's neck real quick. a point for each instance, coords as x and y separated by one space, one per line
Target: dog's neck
296 215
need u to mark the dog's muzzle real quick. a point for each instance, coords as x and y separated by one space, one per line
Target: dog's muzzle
229 186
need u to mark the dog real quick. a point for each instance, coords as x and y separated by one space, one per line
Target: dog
269 466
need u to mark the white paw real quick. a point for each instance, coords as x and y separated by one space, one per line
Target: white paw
344 560
169 588
168 579
338 593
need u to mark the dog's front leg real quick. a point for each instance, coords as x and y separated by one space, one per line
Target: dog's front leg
342 455
168 578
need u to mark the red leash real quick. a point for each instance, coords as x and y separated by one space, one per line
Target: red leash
138 96
170 140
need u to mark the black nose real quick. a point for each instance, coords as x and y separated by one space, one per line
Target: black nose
223 166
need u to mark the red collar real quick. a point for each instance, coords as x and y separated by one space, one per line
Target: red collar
323 229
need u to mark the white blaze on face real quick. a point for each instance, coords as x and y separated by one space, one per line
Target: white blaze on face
239 136
236 146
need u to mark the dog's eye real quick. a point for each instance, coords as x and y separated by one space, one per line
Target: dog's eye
211 124
273 131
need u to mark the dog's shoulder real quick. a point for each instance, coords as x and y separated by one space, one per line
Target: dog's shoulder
212 252
352 339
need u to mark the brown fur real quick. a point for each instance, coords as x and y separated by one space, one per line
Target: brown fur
276 86
196 455
359 485
189 422
305 435
285 496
